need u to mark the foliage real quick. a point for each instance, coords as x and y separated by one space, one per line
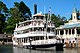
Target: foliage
57 20
24 9
17 14
3 15
9 17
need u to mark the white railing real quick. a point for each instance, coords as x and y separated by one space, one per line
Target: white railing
40 42
41 32
30 26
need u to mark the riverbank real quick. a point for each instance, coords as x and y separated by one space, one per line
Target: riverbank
5 43
5 39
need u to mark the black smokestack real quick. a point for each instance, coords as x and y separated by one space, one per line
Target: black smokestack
35 8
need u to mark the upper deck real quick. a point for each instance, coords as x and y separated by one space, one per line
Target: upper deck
38 20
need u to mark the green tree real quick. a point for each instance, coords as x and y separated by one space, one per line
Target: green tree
25 11
13 19
17 14
58 20
3 15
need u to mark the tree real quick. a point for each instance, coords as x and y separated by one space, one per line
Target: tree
58 20
25 11
17 14
3 13
14 18
1 6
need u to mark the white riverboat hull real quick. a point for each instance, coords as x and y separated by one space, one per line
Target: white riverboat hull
37 44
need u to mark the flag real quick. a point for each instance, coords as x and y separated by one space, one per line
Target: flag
49 13
50 10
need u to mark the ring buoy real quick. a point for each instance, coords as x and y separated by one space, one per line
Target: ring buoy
13 38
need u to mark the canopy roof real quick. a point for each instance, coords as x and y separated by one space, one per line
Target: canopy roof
71 25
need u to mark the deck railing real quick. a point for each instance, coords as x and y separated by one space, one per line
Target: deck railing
39 42
41 32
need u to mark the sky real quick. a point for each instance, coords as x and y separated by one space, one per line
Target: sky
61 7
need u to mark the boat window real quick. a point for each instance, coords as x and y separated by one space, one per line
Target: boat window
37 38
37 17
20 25
42 17
34 17
50 37
48 29
34 23
35 29
42 38
15 33
38 22
30 29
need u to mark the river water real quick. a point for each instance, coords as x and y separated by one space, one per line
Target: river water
11 49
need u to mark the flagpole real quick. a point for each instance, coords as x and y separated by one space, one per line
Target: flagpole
50 13
44 24
44 12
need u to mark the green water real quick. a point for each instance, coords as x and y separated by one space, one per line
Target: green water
6 49
11 49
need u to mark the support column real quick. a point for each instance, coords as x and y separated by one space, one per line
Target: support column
71 31
7 41
64 35
68 31
59 32
76 37
23 40
75 31
64 32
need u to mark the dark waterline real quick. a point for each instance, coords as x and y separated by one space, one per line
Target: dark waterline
11 49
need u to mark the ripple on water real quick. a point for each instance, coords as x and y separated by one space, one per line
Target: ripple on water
10 49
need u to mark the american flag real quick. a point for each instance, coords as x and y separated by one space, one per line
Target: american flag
50 10
50 13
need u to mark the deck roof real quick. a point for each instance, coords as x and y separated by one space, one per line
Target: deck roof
69 26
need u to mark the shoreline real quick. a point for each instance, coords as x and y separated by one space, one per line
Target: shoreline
6 43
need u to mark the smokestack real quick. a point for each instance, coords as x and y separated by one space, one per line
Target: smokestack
35 8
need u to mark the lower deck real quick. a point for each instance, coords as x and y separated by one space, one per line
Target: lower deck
38 40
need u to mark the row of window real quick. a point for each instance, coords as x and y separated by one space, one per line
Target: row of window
38 17
35 23
34 29
32 38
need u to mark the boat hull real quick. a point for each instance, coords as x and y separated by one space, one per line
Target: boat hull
39 46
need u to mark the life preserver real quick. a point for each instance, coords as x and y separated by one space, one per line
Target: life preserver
13 38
